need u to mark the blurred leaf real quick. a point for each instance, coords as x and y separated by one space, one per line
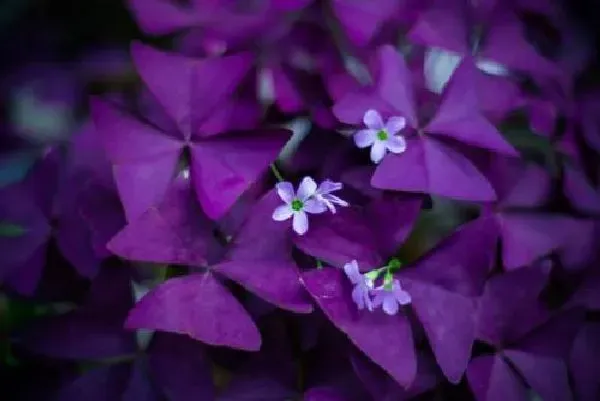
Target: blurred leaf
11 230
11 10
15 166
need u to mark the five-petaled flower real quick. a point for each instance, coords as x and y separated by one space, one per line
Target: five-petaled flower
310 198
381 137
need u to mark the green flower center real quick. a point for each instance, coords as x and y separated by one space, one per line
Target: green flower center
382 135
297 205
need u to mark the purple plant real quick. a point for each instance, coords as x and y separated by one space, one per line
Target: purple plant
334 200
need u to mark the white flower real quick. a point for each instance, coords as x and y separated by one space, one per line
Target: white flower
297 205
380 136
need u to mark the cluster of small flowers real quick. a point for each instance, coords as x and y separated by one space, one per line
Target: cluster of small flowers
389 295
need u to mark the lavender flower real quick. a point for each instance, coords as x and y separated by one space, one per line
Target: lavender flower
361 294
390 296
298 204
380 136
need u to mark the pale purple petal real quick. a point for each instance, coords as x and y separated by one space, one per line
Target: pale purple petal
379 296
403 297
285 190
282 213
365 137
373 120
396 144
378 151
314 206
300 223
329 186
390 306
351 270
307 188
331 200
395 125
360 296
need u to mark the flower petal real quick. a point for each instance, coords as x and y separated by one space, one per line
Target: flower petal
395 125
307 188
390 306
403 297
300 223
396 144
285 190
378 151
358 296
365 137
282 213
314 206
329 186
373 120
351 270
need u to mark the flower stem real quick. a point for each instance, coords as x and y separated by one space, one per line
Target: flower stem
319 264
276 173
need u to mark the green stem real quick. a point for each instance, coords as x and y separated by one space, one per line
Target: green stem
276 173
319 264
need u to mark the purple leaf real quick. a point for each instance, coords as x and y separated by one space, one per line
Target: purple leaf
104 383
529 236
392 218
180 368
443 25
386 340
338 238
509 306
224 167
584 363
362 20
395 84
139 386
159 17
431 167
174 232
189 89
274 281
200 307
449 322
143 157
261 238
458 116
492 379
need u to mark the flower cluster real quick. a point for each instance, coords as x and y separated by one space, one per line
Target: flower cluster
302 199
389 294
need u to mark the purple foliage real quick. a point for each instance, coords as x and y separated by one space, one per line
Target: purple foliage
320 200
